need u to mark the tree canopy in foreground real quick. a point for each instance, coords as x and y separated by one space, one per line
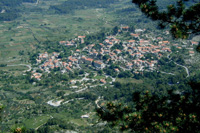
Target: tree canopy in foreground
175 112
182 20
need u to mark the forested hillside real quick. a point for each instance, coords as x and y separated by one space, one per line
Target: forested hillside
9 9
71 5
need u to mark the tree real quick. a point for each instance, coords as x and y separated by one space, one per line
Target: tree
1 109
183 21
174 112
115 30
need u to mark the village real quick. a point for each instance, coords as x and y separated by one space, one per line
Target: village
128 54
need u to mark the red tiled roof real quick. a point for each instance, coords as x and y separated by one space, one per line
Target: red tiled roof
81 37
89 59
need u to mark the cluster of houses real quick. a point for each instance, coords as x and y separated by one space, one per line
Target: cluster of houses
136 51
131 54
36 75
73 42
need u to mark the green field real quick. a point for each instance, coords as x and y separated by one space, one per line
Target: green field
129 80
33 28
36 122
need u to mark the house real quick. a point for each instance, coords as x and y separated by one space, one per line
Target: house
115 40
137 54
68 69
135 35
103 81
144 42
73 60
129 66
159 38
138 31
81 38
55 54
85 116
106 41
165 42
78 51
69 45
88 61
151 65
38 61
36 76
118 51
166 49
194 43
99 64
43 56
132 42
62 42
64 64
117 70
125 28
72 81
191 53
101 44
95 53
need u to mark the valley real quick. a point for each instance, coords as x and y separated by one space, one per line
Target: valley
57 66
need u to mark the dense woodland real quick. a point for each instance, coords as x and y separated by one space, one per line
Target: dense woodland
11 9
71 5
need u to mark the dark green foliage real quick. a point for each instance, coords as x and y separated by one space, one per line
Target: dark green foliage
125 74
115 30
71 5
111 70
8 16
117 46
198 48
100 37
18 129
1 109
175 112
60 123
3 65
12 9
14 2
106 57
183 21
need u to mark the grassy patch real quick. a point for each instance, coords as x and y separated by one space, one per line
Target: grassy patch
19 34
36 121
14 68
129 80
99 77
79 122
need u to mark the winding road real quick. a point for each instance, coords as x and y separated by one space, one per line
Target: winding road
167 73
96 102
29 66
37 2
187 71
